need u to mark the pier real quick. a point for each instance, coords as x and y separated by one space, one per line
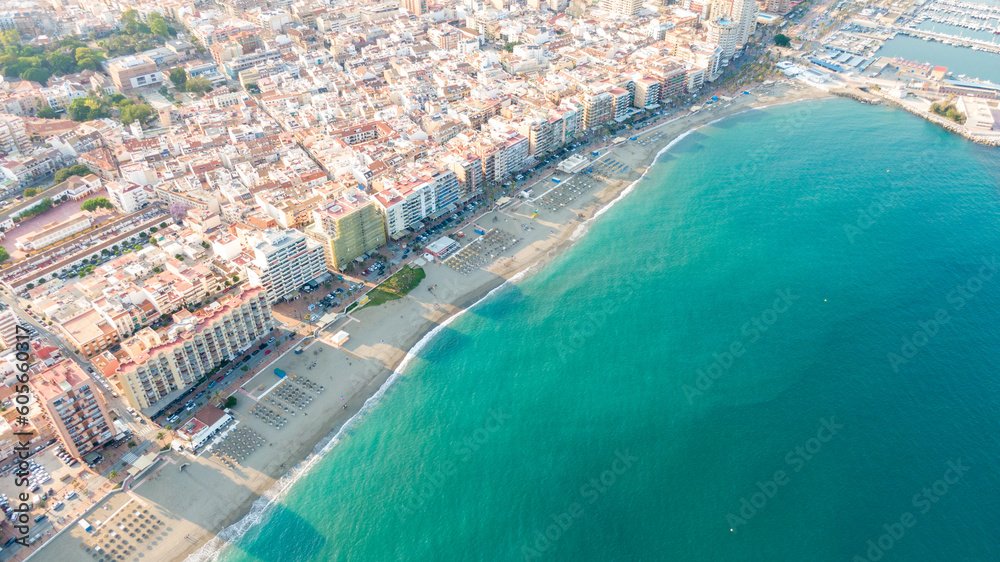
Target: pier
977 44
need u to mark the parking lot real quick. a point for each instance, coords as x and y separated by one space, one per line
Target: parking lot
58 493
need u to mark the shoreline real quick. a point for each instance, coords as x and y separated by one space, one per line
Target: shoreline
618 191
253 511
382 347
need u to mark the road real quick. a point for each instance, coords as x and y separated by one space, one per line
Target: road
117 404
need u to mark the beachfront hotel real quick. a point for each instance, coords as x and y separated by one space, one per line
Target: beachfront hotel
154 364
414 195
71 401
348 227
284 261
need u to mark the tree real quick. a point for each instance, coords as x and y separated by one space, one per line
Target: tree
236 278
782 40
95 203
47 113
113 474
88 108
88 58
179 77
135 112
159 436
74 170
159 27
178 210
30 192
4 256
230 402
198 84
62 63
163 225
130 22
40 75
131 444
10 38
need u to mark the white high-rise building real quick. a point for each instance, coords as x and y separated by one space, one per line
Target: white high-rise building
284 261
413 195
744 15
155 365
8 328
622 7
723 33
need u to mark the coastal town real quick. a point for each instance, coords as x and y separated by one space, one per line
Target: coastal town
225 225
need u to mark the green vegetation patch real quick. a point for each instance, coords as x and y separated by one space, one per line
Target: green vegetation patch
397 286
948 111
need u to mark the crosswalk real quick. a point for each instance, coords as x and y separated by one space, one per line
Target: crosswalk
146 430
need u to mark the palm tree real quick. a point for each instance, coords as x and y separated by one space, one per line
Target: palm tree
159 436
113 474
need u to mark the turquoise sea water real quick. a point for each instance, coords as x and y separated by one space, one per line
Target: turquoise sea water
809 240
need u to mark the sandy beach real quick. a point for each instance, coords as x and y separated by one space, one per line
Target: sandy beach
205 504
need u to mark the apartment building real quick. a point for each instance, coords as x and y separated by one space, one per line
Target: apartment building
71 401
348 227
155 364
415 7
723 33
647 93
468 168
778 6
8 328
133 73
672 77
284 261
598 108
88 332
406 199
622 103
126 196
622 7
13 135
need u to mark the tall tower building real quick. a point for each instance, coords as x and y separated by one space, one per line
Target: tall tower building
741 13
284 261
415 7
723 33
348 227
744 16
778 6
621 7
